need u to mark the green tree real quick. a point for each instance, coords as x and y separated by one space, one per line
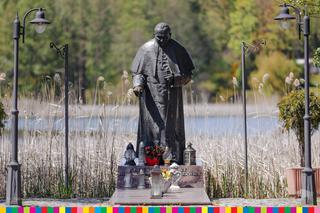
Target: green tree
277 66
243 23
291 113
129 31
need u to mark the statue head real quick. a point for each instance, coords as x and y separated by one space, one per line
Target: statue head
162 34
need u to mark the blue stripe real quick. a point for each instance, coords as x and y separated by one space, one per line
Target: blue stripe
121 209
151 209
8 210
305 209
210 209
245 209
38 209
97 209
180 210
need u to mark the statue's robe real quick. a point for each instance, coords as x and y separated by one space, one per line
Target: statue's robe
161 119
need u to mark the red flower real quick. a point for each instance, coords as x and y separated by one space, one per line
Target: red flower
152 161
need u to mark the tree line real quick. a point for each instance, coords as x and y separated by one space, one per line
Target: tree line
104 35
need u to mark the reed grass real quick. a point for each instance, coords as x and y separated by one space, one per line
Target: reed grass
94 155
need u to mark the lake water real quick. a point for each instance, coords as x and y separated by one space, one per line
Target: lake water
212 126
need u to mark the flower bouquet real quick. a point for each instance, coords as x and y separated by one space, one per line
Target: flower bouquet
166 181
153 155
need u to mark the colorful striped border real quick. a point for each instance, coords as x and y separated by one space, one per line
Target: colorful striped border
159 209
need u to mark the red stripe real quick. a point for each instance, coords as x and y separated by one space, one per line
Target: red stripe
73 209
281 209
127 209
311 209
139 209
216 210
186 209
44 209
233 209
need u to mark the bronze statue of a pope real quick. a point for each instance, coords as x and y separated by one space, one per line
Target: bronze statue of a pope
160 68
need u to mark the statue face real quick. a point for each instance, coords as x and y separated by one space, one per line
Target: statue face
162 38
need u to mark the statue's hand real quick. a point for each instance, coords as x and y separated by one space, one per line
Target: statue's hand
138 90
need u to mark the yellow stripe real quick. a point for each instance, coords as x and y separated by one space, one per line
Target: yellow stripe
144 209
299 209
239 209
2 209
228 209
204 209
109 209
263 210
26 209
86 209
168 209
62 209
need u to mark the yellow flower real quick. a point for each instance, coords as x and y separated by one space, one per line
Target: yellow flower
166 174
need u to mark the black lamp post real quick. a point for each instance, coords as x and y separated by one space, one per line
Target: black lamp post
64 53
244 102
308 196
13 194
246 47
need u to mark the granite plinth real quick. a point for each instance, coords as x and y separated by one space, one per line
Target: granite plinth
186 196
192 176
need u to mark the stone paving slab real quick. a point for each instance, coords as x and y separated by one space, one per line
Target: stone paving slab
186 196
105 202
257 202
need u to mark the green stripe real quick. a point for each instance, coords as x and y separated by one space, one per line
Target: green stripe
192 209
14 209
50 209
156 209
103 210
251 209
133 209
286 209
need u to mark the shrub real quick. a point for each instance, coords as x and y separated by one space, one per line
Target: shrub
316 57
291 113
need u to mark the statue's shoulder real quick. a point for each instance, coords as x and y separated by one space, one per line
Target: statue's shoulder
149 45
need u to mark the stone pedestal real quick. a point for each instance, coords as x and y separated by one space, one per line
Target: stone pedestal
191 183
192 176
186 197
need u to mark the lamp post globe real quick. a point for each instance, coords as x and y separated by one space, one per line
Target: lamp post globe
40 23
284 17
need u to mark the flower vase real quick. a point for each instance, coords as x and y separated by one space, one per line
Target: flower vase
165 185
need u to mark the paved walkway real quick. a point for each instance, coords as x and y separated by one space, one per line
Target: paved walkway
105 202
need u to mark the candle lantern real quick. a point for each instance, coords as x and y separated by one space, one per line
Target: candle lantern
189 155
156 182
